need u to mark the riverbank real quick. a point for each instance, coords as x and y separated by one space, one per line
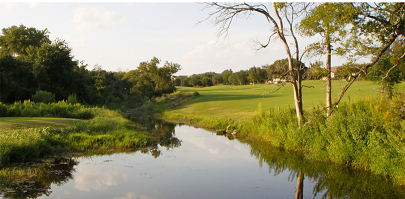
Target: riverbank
364 133
88 129
106 130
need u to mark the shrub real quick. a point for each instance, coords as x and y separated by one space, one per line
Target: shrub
43 96
196 94
72 99
3 109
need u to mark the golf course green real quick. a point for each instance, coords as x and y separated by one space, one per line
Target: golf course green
240 102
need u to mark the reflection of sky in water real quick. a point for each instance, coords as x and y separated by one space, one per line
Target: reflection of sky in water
204 166
97 178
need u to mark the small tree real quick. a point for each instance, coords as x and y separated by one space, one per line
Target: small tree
329 21
44 97
72 99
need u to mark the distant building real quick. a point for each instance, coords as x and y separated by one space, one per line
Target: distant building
275 81
332 73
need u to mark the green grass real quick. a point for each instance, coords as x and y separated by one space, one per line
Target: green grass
10 123
240 102
108 130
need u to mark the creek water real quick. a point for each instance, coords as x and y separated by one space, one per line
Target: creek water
191 162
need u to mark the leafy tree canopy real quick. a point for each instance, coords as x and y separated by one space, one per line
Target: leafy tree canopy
17 39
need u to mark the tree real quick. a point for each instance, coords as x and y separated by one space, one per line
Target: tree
53 68
217 79
16 40
225 76
316 72
279 69
282 22
160 76
327 20
380 73
150 80
376 28
257 74
241 77
16 80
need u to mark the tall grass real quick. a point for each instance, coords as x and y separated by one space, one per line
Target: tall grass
367 134
56 109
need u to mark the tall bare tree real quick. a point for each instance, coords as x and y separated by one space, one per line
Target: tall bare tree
281 17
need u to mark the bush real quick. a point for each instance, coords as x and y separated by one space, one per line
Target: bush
72 99
43 96
3 109
196 94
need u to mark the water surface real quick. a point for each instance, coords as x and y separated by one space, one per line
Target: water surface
194 163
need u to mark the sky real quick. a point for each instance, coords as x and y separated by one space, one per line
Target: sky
118 36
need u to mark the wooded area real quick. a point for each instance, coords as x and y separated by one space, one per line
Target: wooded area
30 62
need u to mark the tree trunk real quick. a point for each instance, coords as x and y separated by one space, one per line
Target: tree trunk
294 78
299 191
298 103
329 77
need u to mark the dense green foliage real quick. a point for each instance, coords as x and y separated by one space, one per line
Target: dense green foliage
30 62
44 97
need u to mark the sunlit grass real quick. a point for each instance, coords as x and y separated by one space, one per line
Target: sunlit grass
9 123
242 101
106 131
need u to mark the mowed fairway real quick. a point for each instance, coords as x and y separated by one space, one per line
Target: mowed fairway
8 123
242 101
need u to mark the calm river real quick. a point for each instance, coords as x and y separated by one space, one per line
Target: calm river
194 163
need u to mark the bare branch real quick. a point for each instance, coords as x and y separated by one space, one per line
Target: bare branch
273 91
265 45
392 68
308 49
385 48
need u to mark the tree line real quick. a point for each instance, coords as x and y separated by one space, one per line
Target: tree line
277 72
31 62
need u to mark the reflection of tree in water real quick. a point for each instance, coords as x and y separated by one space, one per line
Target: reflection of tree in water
336 181
161 130
59 172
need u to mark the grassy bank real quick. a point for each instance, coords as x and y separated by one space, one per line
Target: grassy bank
366 131
106 130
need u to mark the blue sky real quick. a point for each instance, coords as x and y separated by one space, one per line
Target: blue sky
118 36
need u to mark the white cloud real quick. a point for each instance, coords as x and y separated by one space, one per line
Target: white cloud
214 53
88 19
78 43
89 177
9 5
213 146
33 5
133 195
